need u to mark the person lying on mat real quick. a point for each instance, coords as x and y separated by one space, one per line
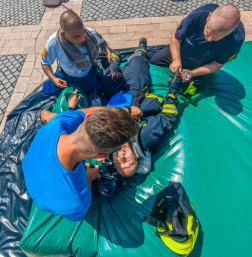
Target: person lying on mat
76 49
128 87
54 173
204 41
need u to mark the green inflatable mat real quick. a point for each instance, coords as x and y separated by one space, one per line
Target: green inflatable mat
209 153
62 105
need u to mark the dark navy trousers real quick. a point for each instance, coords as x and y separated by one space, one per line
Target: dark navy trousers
87 83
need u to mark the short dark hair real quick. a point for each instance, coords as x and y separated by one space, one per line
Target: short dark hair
70 20
110 127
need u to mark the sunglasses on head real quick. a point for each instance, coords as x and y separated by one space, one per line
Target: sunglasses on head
116 150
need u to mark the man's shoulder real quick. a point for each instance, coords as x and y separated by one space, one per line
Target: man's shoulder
205 9
68 116
236 38
240 32
91 30
52 41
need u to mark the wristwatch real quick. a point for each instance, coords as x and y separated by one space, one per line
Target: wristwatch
70 108
129 109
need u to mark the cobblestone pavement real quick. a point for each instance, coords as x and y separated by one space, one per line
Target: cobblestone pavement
124 9
10 67
20 12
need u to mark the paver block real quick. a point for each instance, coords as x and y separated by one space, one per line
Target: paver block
11 66
122 9
20 12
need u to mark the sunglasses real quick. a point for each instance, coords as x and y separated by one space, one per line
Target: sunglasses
116 150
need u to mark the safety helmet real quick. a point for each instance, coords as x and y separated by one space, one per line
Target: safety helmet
175 219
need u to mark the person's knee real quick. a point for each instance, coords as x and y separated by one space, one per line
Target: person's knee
49 88
43 116
46 116
152 60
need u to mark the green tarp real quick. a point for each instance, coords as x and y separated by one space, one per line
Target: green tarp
209 153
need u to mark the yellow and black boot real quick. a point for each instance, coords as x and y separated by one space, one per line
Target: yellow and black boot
142 46
189 89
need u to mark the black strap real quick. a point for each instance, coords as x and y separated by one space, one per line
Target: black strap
128 108
140 97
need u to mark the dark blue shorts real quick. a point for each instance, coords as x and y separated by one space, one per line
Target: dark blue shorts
87 83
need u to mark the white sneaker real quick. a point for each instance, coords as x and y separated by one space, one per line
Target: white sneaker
144 164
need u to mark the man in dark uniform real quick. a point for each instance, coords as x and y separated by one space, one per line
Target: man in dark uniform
204 41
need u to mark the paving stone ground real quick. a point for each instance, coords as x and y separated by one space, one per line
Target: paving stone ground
10 68
20 12
125 9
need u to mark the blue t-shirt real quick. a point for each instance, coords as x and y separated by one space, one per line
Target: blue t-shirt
196 51
51 186
120 100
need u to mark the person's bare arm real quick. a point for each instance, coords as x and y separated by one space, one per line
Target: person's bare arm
136 113
49 72
206 69
91 109
46 116
106 50
175 53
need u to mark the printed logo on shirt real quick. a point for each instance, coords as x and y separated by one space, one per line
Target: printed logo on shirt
44 53
206 53
180 25
232 57
189 42
98 35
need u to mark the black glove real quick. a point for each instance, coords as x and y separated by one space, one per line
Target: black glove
175 85
116 72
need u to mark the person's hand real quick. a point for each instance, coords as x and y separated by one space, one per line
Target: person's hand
188 77
73 99
94 63
136 113
175 65
110 57
60 83
92 173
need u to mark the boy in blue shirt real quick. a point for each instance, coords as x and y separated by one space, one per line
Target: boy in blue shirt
54 173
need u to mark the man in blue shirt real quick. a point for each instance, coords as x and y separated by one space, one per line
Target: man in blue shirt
204 41
54 173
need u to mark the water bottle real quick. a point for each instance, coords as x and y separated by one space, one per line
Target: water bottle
185 75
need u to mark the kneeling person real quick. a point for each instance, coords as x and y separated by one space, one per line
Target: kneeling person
205 40
54 173
76 48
